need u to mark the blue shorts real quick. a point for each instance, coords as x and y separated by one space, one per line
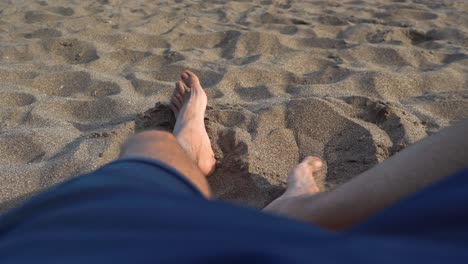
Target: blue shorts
143 211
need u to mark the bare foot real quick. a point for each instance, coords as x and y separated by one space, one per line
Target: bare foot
189 104
301 183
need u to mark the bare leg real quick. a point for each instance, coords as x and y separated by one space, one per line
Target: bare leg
163 146
189 149
411 170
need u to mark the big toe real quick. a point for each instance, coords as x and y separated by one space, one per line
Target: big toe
190 79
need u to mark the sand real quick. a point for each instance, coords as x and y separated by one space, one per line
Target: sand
353 82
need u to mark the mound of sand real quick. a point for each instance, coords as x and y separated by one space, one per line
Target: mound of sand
353 82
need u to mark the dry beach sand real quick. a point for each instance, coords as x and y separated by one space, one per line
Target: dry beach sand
353 82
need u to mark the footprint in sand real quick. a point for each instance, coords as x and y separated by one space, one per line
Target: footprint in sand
72 51
66 84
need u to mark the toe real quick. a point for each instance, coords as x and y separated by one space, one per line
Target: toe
180 87
190 79
179 93
174 109
185 76
179 98
176 102
314 162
